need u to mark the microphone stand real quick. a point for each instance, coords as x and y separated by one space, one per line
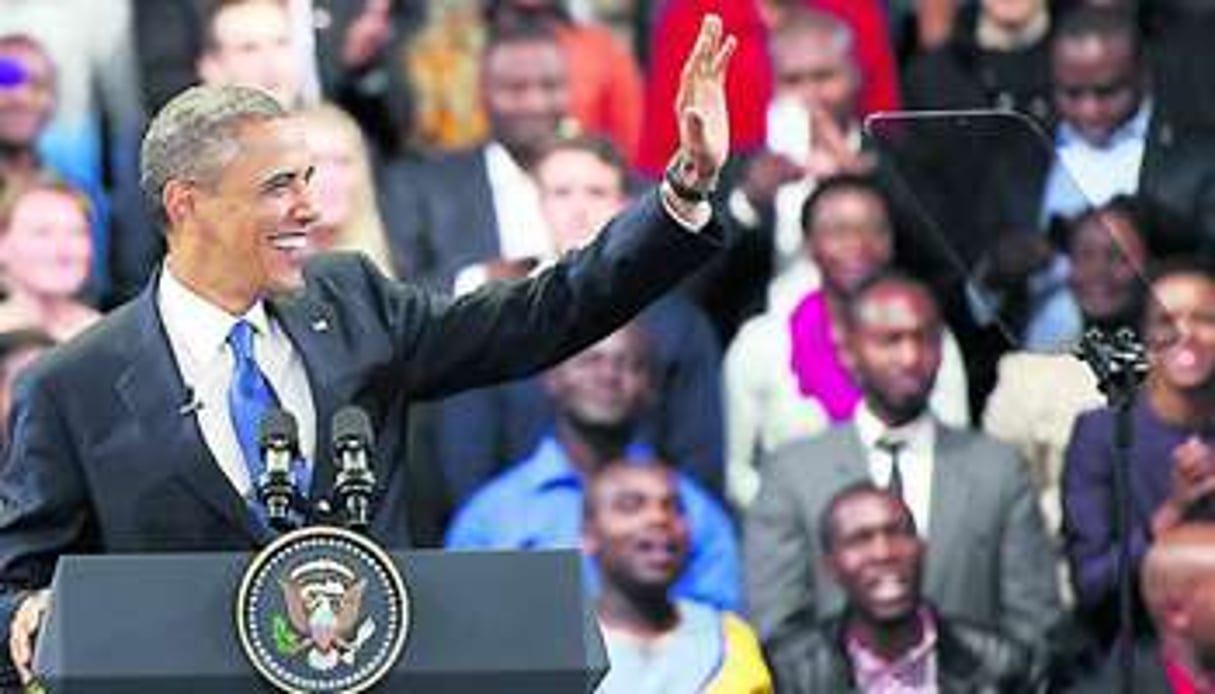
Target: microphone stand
1120 365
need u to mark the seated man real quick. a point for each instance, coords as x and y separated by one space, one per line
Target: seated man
991 560
599 397
888 638
634 525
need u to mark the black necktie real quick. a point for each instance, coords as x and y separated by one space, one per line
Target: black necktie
892 447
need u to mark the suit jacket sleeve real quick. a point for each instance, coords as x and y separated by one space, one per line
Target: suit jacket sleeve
777 548
512 329
42 501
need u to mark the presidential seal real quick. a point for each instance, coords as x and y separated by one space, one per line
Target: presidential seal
322 610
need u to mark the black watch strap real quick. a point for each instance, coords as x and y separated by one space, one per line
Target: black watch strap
679 175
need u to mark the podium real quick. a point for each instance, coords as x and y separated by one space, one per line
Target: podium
481 622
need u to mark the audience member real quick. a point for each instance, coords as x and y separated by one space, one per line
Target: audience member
997 57
248 43
785 373
887 636
345 186
1178 585
27 104
752 21
604 79
477 433
599 396
635 527
1038 395
454 213
344 51
814 133
989 559
1170 467
45 254
93 138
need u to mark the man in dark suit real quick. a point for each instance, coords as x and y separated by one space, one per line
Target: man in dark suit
989 558
450 216
136 437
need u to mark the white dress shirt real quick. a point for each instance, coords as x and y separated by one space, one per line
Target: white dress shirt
198 332
916 458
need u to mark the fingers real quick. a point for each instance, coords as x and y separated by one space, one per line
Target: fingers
22 632
722 60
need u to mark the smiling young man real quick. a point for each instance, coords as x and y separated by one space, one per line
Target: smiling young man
634 525
140 435
888 638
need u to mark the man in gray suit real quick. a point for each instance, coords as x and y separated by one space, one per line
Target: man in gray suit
989 558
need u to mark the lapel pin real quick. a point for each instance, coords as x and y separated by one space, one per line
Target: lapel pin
320 325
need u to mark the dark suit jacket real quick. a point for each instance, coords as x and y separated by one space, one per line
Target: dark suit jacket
811 659
102 458
439 214
989 558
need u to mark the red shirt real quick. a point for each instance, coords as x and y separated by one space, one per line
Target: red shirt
1180 680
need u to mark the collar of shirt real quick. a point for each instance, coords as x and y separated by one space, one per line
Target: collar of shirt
551 466
918 435
202 325
913 671
1135 129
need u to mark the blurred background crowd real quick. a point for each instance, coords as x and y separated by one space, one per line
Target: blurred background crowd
857 445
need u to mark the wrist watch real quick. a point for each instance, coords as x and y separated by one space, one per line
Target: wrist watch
680 176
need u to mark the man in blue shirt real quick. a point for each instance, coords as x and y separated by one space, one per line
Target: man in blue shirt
599 396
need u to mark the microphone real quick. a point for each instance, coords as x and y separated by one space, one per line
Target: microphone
279 441
191 405
352 439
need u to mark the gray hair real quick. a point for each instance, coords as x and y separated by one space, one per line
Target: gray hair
193 136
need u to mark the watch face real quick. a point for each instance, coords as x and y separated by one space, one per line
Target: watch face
321 610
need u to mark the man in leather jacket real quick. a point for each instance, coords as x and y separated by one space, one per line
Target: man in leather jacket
887 634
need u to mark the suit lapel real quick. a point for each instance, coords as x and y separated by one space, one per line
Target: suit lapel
151 388
312 327
948 508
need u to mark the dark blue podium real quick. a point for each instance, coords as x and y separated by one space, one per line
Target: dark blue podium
481 622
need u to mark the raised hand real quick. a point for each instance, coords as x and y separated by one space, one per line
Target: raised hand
700 105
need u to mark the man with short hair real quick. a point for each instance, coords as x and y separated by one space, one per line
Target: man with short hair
248 43
989 559
634 525
888 637
599 397
141 435
452 216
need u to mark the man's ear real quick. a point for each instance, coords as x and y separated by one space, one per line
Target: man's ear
178 199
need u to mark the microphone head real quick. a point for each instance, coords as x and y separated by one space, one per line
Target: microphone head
278 429
351 426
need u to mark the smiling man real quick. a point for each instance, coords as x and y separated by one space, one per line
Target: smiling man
140 435
634 525
888 638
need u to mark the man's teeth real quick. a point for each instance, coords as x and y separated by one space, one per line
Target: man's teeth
889 587
290 242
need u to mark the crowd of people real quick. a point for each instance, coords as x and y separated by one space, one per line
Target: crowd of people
851 452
